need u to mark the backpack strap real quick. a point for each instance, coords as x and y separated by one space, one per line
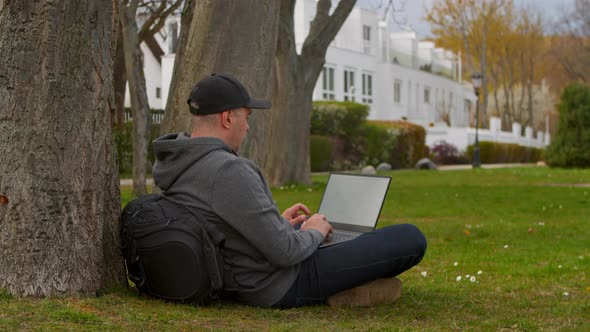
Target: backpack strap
214 240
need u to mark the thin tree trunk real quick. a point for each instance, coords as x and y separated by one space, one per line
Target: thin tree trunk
496 86
173 118
484 81
137 93
233 36
58 226
530 119
120 81
512 99
506 114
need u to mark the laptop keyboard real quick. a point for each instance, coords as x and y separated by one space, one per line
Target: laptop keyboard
339 236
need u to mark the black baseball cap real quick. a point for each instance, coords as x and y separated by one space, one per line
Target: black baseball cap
221 92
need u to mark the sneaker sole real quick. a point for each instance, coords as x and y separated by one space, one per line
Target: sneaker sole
380 291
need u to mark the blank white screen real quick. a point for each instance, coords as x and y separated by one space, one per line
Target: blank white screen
354 199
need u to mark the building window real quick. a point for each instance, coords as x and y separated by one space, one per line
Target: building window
349 85
173 35
328 84
158 93
397 91
367 88
367 39
366 33
426 95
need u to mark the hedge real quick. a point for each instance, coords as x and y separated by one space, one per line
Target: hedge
570 147
125 147
492 152
343 122
445 153
321 149
356 142
399 143
338 119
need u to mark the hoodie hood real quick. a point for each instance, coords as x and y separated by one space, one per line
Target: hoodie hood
175 153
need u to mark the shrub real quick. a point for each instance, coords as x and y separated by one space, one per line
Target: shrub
125 146
338 119
379 141
321 148
399 143
444 153
570 147
492 153
343 121
355 140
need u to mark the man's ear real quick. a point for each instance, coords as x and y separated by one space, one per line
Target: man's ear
225 119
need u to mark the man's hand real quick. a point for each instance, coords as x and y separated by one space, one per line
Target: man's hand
294 216
318 222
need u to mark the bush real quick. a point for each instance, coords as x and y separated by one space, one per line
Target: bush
379 141
570 147
338 119
343 121
398 143
125 147
444 153
356 141
321 148
493 153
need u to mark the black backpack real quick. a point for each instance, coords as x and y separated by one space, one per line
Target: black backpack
171 251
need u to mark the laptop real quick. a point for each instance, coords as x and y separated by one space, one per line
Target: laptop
352 204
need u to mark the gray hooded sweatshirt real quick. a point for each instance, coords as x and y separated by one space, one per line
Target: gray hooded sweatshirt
262 251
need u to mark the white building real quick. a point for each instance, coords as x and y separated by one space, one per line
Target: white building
397 76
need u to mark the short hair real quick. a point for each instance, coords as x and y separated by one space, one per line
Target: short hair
203 120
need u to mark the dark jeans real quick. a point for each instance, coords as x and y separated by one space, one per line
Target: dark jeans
385 252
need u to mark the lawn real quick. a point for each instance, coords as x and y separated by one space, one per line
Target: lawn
517 238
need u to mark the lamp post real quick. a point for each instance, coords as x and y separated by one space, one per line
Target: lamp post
476 81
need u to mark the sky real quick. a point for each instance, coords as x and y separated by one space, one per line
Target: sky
415 11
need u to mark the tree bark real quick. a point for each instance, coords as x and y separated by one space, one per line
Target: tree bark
120 82
484 79
229 36
295 77
58 224
137 93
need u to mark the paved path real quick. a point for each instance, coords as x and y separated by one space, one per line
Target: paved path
129 182
456 167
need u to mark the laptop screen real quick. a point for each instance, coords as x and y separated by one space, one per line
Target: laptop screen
354 199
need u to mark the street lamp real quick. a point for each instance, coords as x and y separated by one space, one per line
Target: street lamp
476 81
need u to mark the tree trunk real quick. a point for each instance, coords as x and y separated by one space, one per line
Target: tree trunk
120 81
484 80
137 93
226 36
58 224
288 155
531 119
295 78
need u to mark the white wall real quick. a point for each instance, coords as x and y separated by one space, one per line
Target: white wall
412 105
463 137
153 79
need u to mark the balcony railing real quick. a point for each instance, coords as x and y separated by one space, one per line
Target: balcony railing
418 63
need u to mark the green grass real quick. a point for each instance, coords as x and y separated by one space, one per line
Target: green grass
526 229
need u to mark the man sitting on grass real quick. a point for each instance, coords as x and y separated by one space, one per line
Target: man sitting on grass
271 259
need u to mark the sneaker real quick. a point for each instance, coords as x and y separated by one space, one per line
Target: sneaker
380 291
